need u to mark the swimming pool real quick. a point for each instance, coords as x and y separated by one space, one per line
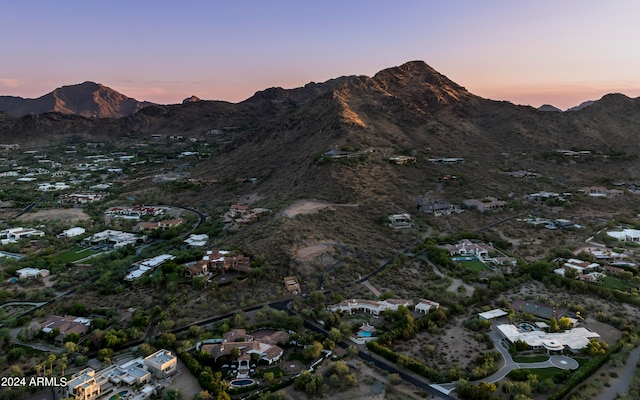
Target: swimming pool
119 394
242 382
365 334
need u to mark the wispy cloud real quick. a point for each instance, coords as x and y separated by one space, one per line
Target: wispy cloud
9 82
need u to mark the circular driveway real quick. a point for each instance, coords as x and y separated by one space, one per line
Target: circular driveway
563 362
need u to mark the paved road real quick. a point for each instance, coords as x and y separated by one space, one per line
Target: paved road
622 384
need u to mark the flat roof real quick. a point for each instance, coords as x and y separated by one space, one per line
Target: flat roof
496 313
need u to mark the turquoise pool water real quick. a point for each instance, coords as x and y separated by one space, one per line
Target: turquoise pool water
365 334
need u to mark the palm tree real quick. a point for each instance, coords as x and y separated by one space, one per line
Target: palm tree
51 359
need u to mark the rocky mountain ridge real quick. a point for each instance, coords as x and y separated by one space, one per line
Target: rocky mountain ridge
87 99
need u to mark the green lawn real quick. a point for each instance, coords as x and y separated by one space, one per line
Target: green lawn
530 359
544 373
612 282
76 253
474 265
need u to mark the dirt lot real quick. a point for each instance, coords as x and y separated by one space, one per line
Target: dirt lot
56 214
310 207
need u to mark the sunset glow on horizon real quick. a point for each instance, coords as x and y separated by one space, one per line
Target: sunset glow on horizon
528 53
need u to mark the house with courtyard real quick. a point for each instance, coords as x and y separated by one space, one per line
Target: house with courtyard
264 348
372 307
466 247
574 339
65 326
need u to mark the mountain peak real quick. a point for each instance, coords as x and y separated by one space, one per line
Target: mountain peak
191 99
549 107
88 99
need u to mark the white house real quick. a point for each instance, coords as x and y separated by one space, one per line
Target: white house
72 232
12 235
30 273
425 305
626 235
369 306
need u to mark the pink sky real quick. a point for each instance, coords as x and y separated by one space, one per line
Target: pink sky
561 53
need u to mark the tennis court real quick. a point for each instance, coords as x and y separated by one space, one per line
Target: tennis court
537 309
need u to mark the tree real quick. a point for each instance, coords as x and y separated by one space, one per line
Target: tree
335 335
172 394
312 351
553 325
235 353
565 323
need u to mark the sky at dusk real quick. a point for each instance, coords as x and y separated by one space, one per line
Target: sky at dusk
526 52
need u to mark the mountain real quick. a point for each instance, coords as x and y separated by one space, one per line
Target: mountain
278 136
581 105
548 107
87 99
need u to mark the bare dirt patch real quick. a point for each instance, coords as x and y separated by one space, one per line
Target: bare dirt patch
316 249
56 214
311 207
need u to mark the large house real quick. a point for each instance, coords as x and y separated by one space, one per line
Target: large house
626 235
573 339
12 235
369 306
65 325
486 204
265 348
136 375
113 239
218 260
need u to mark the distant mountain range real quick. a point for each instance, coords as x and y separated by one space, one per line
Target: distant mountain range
279 137
549 107
87 99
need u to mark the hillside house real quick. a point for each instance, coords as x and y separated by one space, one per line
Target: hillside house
197 240
144 266
196 268
402 160
292 285
80 198
400 221
439 207
597 191
486 204
626 235
113 239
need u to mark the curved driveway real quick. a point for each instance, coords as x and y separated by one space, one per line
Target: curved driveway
562 362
